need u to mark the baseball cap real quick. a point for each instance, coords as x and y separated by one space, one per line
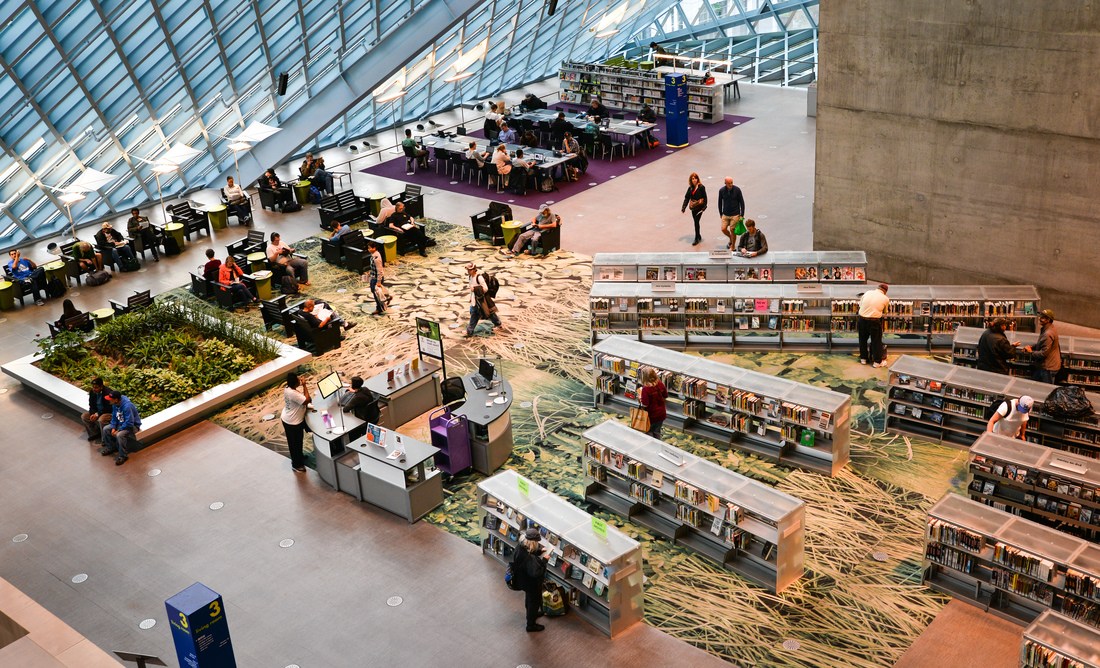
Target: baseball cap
1024 404
114 394
1048 314
532 534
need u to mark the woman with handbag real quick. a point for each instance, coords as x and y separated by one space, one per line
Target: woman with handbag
653 398
696 199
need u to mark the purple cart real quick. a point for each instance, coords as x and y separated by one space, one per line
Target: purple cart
451 434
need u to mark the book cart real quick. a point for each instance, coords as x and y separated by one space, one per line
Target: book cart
946 403
736 522
1056 641
1055 488
628 88
599 566
726 267
1007 565
780 420
1080 356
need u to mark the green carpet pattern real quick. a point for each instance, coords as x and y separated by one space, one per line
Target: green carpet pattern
849 609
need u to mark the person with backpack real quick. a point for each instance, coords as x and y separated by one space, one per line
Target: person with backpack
483 289
1010 418
529 568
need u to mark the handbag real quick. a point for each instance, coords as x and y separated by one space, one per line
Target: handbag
740 228
639 419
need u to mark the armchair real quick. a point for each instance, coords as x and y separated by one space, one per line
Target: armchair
192 219
242 210
255 241
136 301
316 341
487 223
413 199
345 207
275 313
81 322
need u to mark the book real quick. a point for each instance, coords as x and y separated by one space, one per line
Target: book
988 488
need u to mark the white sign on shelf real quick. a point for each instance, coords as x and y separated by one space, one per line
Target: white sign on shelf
673 455
808 288
1068 464
663 286
721 254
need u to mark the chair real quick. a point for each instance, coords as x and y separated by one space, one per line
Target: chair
472 167
412 199
345 207
274 314
72 265
256 241
492 177
316 341
410 159
20 287
137 243
192 219
136 301
442 157
487 223
549 241
200 287
608 146
268 198
80 322
242 211
618 117
453 391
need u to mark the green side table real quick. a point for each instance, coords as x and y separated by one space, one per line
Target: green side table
263 284
376 203
389 247
56 269
218 215
257 262
175 230
102 315
7 295
511 231
301 192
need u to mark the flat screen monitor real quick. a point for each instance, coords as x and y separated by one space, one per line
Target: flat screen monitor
486 369
329 385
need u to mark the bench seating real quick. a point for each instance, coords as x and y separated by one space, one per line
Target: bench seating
192 219
134 302
345 207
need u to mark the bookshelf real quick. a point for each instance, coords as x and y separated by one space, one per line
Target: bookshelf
736 522
1056 641
599 566
1008 565
1080 356
781 420
946 403
765 315
726 267
628 89
1055 488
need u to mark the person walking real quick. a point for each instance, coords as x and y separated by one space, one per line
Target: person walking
481 304
731 207
295 402
654 394
696 199
377 278
872 306
529 566
1046 354
995 351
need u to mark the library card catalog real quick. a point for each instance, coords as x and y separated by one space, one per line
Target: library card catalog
761 304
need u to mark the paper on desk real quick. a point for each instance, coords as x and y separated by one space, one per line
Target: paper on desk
395 454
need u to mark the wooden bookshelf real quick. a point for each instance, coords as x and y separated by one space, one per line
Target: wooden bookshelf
1008 565
1056 641
627 89
608 594
781 420
769 315
736 522
1055 488
946 403
727 267
1080 356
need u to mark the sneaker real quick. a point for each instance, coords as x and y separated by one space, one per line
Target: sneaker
120 460
40 302
299 469
535 628
107 451
506 251
348 325
863 361
878 365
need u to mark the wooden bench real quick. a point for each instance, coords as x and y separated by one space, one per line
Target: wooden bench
134 302
192 219
345 207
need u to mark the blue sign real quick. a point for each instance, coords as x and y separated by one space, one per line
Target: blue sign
199 628
676 110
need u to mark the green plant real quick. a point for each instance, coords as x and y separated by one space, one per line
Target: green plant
63 349
152 390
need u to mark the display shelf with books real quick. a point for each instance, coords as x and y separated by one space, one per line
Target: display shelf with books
781 420
739 523
952 404
1051 487
1080 355
627 89
1056 641
772 267
599 566
1008 565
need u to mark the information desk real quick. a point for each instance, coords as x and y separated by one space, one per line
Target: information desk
409 395
408 486
490 423
330 443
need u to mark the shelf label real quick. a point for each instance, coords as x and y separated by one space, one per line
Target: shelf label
672 454
721 254
524 486
599 527
663 286
805 288
1068 464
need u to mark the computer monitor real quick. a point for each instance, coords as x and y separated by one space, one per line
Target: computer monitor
486 369
329 385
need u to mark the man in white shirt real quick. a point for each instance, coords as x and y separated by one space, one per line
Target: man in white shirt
280 253
1010 418
872 306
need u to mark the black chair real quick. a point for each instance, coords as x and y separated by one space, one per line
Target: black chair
316 341
345 207
200 287
453 391
243 210
136 301
274 312
549 241
21 287
487 223
608 146
442 157
72 265
137 243
193 220
81 322
412 198
256 241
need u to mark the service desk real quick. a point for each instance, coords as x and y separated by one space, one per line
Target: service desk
330 442
409 486
409 395
490 423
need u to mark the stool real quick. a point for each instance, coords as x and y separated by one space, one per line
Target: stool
263 284
301 192
511 231
102 315
218 215
57 269
7 295
376 203
175 230
257 262
389 247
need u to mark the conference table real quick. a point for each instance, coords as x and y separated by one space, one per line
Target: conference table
579 120
544 160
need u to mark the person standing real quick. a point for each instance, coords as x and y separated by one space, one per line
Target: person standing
1010 418
377 278
696 199
120 437
99 410
138 226
295 402
481 304
1046 355
529 566
995 351
731 207
872 306
752 242
654 394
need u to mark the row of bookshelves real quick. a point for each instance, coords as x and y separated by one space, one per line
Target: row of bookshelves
1080 356
952 404
627 89
599 566
1056 641
727 267
1009 565
781 420
739 523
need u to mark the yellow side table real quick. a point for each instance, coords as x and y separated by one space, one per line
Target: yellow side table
56 269
376 203
389 247
301 192
102 315
218 215
263 284
257 262
7 295
175 230
511 231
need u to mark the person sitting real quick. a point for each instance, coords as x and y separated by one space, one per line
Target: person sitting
559 127
213 267
523 171
532 102
492 122
138 227
281 254
400 224
503 161
319 316
99 410
529 139
309 165
507 135
361 402
269 181
385 209
480 157
339 231
230 274
237 203
752 242
414 149
570 145
23 269
108 238
85 254
648 115
68 312
120 436
532 232
322 178
597 111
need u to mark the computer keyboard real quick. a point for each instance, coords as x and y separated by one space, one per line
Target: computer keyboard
480 382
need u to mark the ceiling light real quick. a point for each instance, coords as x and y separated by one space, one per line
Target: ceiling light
458 77
8 172
34 149
390 97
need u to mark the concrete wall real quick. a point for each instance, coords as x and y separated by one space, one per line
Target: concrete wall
958 141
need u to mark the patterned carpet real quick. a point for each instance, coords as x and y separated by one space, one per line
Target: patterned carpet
849 609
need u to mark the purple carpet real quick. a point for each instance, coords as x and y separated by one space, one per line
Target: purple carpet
599 171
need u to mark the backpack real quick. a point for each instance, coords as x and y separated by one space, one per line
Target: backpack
129 263
55 288
995 404
546 184
492 285
291 207
314 195
288 285
97 278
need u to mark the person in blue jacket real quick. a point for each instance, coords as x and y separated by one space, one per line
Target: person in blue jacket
121 435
